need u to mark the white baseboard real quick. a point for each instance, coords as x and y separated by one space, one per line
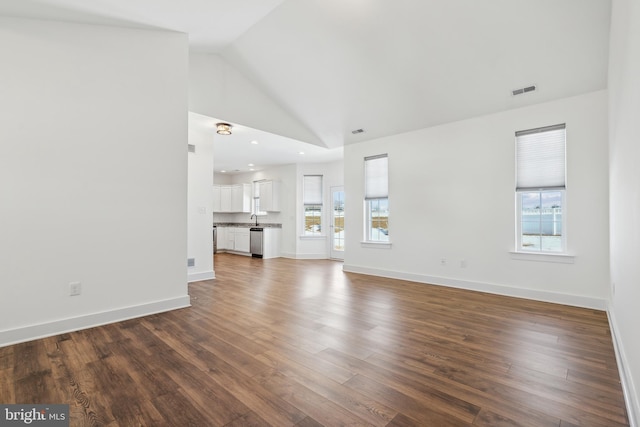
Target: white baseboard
197 277
294 255
62 326
554 297
289 255
629 390
311 256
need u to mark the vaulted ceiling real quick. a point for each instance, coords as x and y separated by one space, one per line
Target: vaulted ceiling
386 67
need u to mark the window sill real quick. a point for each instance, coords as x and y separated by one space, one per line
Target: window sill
319 237
543 257
376 245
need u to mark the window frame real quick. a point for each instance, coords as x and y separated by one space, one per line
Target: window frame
557 157
369 221
376 189
255 203
563 237
313 198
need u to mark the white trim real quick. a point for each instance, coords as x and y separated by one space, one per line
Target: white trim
336 254
538 295
197 277
316 237
289 255
631 398
376 245
311 256
72 324
293 255
234 252
543 257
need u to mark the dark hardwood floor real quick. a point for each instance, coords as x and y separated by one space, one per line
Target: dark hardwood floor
289 342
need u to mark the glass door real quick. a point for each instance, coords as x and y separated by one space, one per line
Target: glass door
337 223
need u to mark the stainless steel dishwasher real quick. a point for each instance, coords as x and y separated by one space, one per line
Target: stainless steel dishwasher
256 242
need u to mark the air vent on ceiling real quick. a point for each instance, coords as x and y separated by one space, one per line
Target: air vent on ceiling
192 148
357 131
523 90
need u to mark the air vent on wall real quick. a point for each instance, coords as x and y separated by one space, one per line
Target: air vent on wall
523 90
192 148
191 262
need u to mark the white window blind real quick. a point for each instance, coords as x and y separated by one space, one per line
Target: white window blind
312 190
540 158
376 177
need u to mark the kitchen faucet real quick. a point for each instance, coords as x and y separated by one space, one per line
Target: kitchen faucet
256 215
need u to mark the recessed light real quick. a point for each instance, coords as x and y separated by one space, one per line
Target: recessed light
301 152
250 164
254 142
223 171
252 169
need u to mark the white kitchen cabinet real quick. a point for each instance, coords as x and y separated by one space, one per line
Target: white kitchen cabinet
225 198
241 198
269 196
216 198
235 239
241 241
271 242
221 237
232 198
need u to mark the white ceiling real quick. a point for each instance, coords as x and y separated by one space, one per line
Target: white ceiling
387 67
211 24
234 153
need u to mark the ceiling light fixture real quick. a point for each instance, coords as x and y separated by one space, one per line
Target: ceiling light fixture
254 142
223 128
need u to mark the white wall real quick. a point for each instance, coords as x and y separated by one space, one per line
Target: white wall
332 175
624 113
200 201
452 196
93 175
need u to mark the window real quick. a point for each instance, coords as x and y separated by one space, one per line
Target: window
312 201
540 189
376 195
256 199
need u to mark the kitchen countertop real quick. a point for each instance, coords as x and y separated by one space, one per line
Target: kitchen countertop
247 224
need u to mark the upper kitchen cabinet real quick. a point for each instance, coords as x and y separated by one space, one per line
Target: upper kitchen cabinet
269 192
232 198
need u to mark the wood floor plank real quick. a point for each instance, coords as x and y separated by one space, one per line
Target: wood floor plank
348 398
319 408
285 342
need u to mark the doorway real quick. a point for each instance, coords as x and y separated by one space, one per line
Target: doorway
337 223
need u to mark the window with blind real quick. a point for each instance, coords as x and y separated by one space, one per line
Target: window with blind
540 189
376 195
312 204
256 199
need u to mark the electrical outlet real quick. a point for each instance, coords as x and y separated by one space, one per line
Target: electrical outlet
75 288
443 261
